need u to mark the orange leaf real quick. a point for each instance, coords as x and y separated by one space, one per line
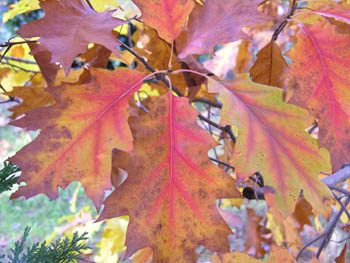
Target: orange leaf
168 17
78 134
321 70
33 97
218 22
69 26
272 140
269 66
277 255
172 186
342 256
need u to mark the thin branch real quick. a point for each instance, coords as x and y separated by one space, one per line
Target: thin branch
221 162
20 60
90 5
330 227
159 76
7 44
209 102
20 68
284 22
341 204
226 128
338 177
307 245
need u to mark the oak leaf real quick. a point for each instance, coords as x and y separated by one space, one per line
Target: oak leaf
33 97
321 73
172 185
69 26
218 22
277 255
269 66
168 17
271 139
78 135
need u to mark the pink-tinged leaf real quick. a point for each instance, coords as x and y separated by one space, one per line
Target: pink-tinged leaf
69 26
218 22
168 17
338 11
78 135
272 140
172 185
321 71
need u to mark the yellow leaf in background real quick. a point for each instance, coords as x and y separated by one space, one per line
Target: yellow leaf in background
127 10
275 229
112 240
14 78
21 51
19 8
104 5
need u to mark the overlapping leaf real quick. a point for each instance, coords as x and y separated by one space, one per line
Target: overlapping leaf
272 139
77 135
168 17
218 22
269 66
321 69
33 97
277 255
172 186
69 26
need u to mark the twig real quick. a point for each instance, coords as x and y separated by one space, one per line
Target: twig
159 76
338 177
209 102
7 44
341 204
90 5
329 229
20 60
284 22
307 245
226 128
15 66
221 162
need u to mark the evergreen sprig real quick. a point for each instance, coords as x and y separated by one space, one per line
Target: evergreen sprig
60 251
8 176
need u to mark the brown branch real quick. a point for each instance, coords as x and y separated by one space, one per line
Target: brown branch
159 76
226 128
284 22
7 44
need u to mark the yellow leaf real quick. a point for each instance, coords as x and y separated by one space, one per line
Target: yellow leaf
19 8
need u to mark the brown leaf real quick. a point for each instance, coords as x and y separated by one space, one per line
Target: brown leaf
342 256
269 66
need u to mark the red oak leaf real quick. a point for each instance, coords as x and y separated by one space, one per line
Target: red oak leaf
168 17
172 186
321 72
78 135
69 26
271 139
218 22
